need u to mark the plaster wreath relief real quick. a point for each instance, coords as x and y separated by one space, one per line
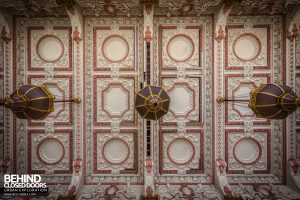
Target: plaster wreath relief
186 161
125 41
113 162
43 160
180 36
39 44
238 162
255 38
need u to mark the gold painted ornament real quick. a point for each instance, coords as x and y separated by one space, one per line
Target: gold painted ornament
152 102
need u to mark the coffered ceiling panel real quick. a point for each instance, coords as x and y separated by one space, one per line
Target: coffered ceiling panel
243 47
181 45
102 146
43 56
115 49
49 47
115 154
190 107
183 55
114 100
62 87
50 153
249 140
183 154
114 136
248 153
238 87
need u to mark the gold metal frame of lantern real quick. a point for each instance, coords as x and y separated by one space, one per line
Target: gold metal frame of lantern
32 102
152 102
270 101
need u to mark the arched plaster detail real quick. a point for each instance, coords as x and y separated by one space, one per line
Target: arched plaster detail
293 23
76 19
221 20
5 26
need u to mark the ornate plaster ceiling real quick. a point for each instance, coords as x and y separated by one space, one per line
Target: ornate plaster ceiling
102 141
259 6
32 7
134 7
110 7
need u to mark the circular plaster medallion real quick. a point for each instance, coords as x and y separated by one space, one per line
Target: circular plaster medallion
246 47
181 151
50 48
153 103
247 151
50 151
180 48
115 48
115 151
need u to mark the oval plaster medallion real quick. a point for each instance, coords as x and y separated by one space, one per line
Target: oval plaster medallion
115 48
181 151
187 190
50 151
50 48
180 48
247 151
111 190
115 151
246 47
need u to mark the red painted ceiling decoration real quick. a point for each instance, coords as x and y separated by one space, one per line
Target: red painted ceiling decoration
190 53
